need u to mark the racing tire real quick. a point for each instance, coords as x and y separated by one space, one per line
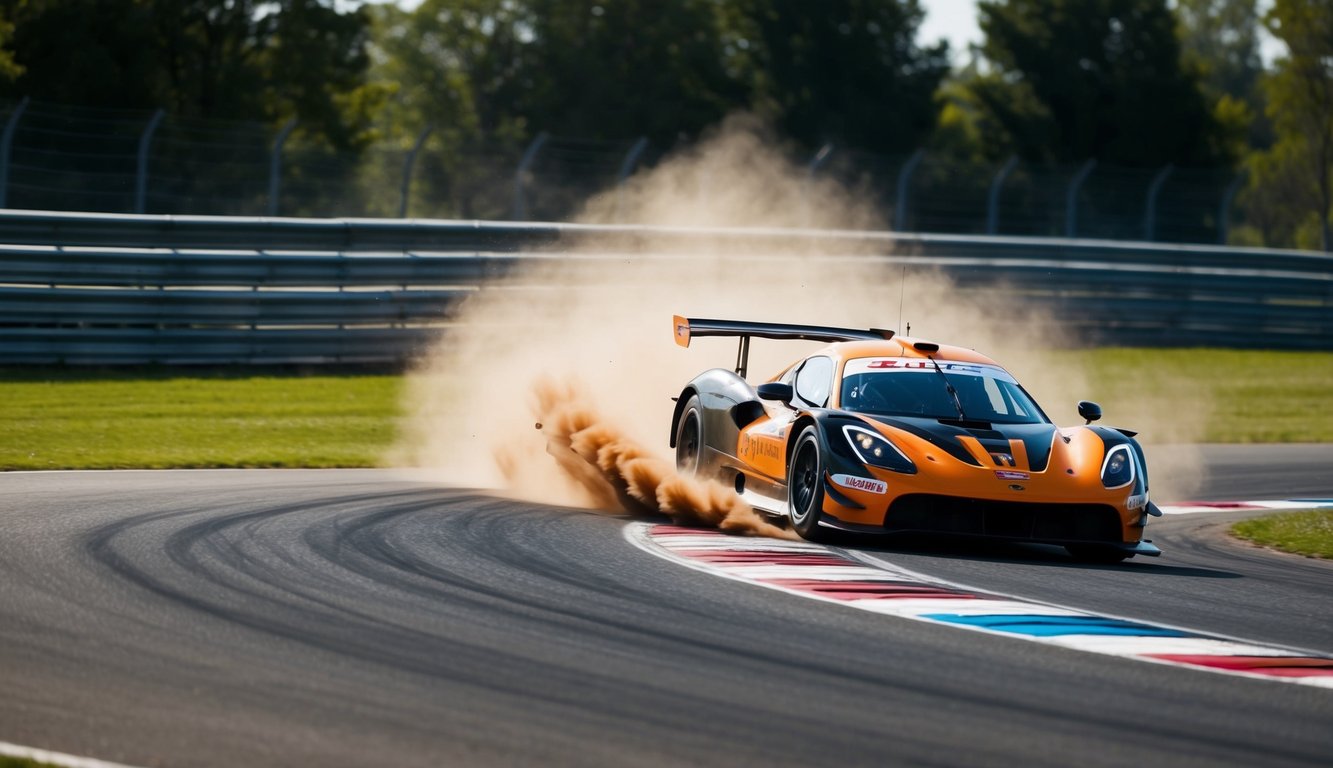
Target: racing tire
805 487
690 437
1096 553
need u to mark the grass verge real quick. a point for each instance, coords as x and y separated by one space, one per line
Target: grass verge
146 418
69 418
1245 396
1307 532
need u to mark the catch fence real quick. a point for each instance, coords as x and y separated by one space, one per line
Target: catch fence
57 157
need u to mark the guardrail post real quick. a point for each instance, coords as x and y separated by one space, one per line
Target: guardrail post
529 157
904 180
816 163
1071 198
993 197
6 145
408 163
626 168
275 165
1224 208
1150 207
141 177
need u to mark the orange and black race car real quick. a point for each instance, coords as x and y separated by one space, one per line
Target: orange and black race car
877 433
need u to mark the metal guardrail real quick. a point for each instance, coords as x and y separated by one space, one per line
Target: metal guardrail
112 289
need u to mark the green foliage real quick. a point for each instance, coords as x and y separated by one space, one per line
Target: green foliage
623 69
9 68
1220 41
1291 192
1093 78
216 59
1307 532
845 71
1220 38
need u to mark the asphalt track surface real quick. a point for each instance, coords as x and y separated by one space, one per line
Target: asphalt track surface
279 618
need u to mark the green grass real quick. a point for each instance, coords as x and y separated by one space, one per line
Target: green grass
21 762
63 419
1308 532
1237 396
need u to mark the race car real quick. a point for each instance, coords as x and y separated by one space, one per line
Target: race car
878 433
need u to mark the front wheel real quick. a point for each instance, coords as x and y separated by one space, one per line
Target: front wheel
805 487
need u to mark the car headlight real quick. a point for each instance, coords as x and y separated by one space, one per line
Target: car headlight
1118 468
876 450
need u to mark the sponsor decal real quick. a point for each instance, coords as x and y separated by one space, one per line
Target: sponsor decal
1136 501
751 448
1011 474
861 483
912 364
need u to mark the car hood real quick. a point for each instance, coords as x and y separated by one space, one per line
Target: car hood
947 436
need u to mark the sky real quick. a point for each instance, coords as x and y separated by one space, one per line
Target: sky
952 20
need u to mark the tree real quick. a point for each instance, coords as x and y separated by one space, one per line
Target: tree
843 71
1074 79
115 65
1294 179
1220 40
213 59
621 69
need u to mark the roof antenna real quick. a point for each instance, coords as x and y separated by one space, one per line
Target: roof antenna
902 290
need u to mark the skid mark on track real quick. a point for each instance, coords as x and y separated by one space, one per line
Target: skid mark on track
822 573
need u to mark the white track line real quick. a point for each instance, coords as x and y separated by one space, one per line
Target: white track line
55 758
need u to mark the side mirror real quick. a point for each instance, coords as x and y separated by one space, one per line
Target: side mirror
1088 410
776 390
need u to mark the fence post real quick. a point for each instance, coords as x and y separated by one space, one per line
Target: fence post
626 168
904 179
816 163
1150 207
408 163
1071 198
993 198
529 156
275 166
141 177
1224 208
7 144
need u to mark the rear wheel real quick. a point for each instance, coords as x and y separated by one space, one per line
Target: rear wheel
1096 553
805 487
690 437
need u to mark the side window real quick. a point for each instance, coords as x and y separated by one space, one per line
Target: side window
814 381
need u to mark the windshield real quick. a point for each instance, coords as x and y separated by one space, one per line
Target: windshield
912 387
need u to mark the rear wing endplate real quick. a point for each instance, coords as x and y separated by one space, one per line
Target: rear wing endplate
686 328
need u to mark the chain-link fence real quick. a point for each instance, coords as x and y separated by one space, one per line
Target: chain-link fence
55 157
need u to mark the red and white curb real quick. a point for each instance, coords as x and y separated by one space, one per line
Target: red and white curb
870 584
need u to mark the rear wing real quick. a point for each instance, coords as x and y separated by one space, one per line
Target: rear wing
686 328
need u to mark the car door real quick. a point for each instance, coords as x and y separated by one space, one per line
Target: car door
764 444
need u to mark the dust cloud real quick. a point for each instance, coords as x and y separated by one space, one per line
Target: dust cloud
582 344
